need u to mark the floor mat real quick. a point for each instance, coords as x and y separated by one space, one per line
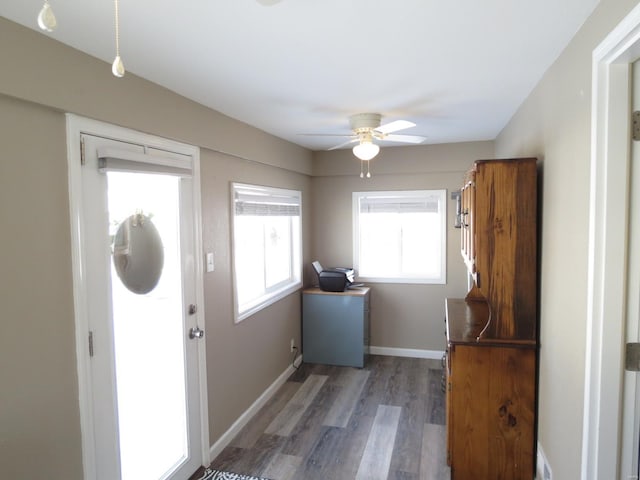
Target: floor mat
218 475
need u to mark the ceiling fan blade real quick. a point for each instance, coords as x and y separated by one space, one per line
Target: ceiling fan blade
404 138
350 135
395 126
343 144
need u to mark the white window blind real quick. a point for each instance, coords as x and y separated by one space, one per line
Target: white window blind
398 203
155 161
260 201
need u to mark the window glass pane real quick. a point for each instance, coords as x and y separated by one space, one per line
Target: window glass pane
249 258
421 244
267 245
399 236
150 374
277 241
379 246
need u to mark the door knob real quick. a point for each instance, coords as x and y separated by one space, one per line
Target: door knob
196 332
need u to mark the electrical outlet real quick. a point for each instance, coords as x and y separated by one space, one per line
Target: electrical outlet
293 346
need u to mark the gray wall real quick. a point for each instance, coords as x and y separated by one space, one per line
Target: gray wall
39 416
406 316
554 125
39 410
242 359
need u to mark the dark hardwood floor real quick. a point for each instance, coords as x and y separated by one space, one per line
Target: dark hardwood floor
384 421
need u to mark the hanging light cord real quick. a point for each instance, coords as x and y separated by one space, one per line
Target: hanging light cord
117 25
47 22
362 169
117 68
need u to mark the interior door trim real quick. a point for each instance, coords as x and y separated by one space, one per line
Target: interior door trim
610 151
76 126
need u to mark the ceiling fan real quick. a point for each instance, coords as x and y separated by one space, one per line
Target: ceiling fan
366 128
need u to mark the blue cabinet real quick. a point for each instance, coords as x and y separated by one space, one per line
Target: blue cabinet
335 326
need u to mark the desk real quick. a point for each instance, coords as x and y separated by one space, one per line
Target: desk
335 326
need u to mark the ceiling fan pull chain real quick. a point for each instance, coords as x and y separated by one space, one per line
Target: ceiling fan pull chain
368 169
361 168
117 68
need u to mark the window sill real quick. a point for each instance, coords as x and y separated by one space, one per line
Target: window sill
426 281
267 300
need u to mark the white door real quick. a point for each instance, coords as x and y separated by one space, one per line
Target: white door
630 462
138 244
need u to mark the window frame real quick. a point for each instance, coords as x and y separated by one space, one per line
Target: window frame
282 289
442 200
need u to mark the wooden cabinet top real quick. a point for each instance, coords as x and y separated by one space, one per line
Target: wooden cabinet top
499 164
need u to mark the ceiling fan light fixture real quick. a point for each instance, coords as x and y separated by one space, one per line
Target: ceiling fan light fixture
366 150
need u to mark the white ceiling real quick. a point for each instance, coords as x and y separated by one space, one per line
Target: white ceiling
459 69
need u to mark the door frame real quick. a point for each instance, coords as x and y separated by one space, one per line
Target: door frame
76 126
608 229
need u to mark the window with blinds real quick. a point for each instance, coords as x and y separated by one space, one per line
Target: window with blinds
400 236
267 245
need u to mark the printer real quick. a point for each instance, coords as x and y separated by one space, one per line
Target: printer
333 279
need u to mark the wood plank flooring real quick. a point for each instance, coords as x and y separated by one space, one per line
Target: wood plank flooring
384 421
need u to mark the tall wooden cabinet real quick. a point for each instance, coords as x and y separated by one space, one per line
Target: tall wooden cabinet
492 332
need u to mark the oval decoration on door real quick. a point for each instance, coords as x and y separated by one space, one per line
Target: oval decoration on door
138 253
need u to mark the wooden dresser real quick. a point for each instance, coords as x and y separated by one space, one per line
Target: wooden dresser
492 333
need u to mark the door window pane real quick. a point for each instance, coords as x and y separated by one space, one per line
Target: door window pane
149 335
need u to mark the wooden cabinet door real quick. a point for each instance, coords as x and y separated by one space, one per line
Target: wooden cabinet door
492 402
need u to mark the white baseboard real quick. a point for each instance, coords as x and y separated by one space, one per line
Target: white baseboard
406 352
227 436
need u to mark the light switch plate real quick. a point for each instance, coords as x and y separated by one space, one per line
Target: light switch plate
210 264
